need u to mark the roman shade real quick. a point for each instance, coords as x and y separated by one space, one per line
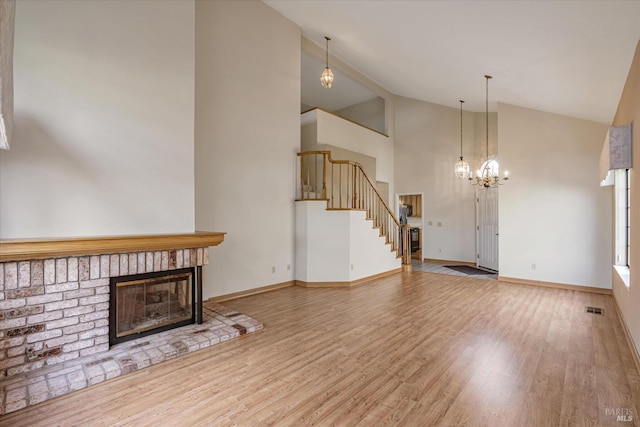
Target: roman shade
616 152
7 26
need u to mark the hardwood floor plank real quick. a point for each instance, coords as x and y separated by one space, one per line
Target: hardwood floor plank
414 348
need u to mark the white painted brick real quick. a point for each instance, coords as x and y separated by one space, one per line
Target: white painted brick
157 261
61 270
24 274
66 321
13 323
102 290
149 261
44 317
83 268
64 357
206 256
141 263
84 309
72 268
49 271
101 322
164 260
178 259
104 265
133 264
64 339
94 373
104 314
102 340
187 258
58 305
102 306
111 369
69 286
16 351
199 256
2 296
94 267
80 327
124 264
79 293
78 345
10 275
96 299
94 283
37 273
42 336
114 265
1 276
13 342
41 299
93 333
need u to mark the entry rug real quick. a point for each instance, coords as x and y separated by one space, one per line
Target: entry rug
220 324
471 271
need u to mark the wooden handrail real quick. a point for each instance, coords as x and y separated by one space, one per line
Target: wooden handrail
360 193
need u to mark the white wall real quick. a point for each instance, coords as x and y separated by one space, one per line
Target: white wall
247 131
553 213
103 132
338 246
369 113
427 146
333 130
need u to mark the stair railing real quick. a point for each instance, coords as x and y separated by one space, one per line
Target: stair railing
346 186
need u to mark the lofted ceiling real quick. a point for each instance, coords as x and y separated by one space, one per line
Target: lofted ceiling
565 57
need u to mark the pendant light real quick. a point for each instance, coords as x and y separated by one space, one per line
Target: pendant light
327 75
489 172
462 168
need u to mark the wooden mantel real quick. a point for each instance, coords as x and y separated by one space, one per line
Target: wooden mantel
28 249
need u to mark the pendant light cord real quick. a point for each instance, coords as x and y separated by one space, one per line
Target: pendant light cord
327 50
487 114
461 102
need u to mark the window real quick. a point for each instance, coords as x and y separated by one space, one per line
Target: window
628 191
622 216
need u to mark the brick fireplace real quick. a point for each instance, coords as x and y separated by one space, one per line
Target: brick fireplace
54 295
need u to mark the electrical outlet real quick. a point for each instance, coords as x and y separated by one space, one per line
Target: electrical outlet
273 269
352 266
430 222
288 267
533 266
439 224
439 250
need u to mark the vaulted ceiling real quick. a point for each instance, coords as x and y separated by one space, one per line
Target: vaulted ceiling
564 57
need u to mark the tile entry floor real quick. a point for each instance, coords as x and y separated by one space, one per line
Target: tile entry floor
441 269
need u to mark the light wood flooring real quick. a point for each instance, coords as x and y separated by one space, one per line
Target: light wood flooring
414 349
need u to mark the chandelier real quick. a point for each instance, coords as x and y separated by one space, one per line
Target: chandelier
462 168
489 173
327 75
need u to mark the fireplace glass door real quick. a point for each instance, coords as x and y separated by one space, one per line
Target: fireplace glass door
151 303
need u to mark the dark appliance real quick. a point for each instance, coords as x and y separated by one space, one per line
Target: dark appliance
415 239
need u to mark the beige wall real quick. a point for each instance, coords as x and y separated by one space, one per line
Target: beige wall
247 133
427 145
553 213
369 113
103 131
628 299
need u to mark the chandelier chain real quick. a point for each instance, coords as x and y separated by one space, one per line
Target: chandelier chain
461 102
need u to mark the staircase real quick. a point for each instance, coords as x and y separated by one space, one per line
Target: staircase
345 186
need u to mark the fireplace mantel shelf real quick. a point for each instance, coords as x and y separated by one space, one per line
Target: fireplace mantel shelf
30 249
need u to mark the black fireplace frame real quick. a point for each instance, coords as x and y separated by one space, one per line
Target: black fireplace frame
196 306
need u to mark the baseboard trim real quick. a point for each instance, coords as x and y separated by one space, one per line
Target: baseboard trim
449 262
627 334
555 285
254 291
347 284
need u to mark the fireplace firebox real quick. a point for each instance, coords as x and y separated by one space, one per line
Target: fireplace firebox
149 303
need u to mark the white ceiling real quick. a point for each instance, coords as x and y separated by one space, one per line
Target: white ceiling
565 57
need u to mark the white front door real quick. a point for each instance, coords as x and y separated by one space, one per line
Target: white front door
487 228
